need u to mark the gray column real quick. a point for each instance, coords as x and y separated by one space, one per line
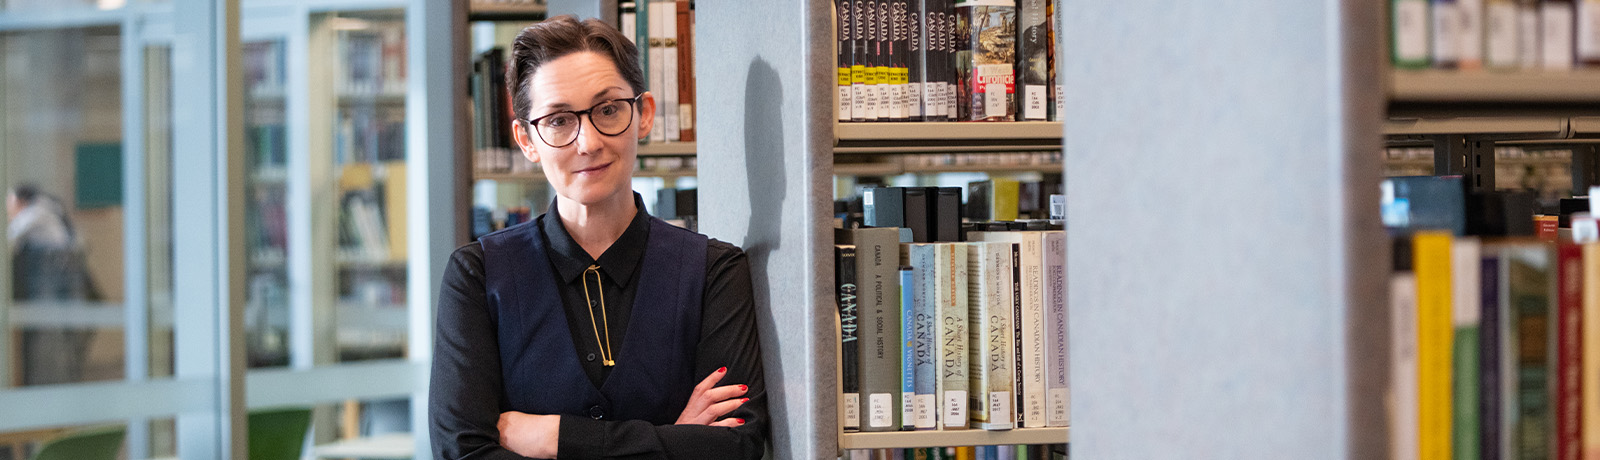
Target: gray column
1226 266
765 99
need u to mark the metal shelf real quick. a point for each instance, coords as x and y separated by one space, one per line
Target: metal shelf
1585 127
667 149
539 176
1495 127
1447 86
877 138
939 438
505 11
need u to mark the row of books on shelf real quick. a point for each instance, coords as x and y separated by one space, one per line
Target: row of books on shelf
1495 34
264 74
947 60
372 217
677 206
369 134
1007 452
952 335
983 159
372 56
664 32
512 162
935 214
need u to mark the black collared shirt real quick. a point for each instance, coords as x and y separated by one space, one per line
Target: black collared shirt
466 388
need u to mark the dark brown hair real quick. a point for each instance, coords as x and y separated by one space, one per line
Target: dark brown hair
560 36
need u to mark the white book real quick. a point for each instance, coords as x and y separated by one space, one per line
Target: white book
627 22
1588 32
669 71
951 346
1445 32
1469 49
1404 432
658 79
1057 395
989 319
1030 386
1500 36
1556 42
1529 51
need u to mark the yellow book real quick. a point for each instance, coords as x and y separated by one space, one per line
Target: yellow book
1591 350
394 197
1432 264
1005 199
965 453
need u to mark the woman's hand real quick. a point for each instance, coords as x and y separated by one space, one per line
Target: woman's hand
708 402
530 435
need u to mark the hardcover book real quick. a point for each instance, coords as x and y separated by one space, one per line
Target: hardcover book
990 316
1057 396
924 259
1500 47
846 47
1409 40
986 58
1033 61
878 306
849 361
951 347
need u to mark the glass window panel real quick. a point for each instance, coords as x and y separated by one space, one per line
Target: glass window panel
65 232
19 445
366 53
378 428
158 207
266 315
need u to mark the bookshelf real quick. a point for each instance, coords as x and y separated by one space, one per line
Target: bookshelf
879 138
1463 87
911 439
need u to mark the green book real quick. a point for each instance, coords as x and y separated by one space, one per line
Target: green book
1466 317
1409 33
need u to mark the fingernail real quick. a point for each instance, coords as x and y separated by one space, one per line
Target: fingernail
741 421
745 400
722 369
744 388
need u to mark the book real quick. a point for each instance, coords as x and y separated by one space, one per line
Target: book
1433 270
1403 406
843 34
899 109
863 105
849 359
986 58
918 209
670 70
908 342
947 214
1530 50
924 259
1493 362
1587 39
990 311
992 200
1500 34
883 59
1556 41
1530 289
916 58
1057 394
1058 111
1591 350
685 65
877 284
883 207
1466 310
952 348
1568 370
656 67
1028 322
627 21
1444 33
1033 61
1469 52
1409 38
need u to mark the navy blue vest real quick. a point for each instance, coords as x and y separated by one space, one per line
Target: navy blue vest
655 364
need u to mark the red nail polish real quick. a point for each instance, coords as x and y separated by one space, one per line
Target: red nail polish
741 421
744 388
745 400
722 369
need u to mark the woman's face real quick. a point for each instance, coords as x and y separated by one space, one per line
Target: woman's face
595 168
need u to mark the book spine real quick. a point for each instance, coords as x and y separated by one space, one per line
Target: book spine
952 345
1403 357
1033 61
670 72
1409 42
843 35
1444 33
991 82
899 36
627 21
1466 316
1556 43
1017 390
916 58
658 69
1591 350
991 313
1530 52
1059 101
908 345
1500 38
1033 324
1057 396
860 96
1432 265
849 360
1569 349
1470 50
1490 340
1588 33
926 313
1532 288
877 264
950 67
870 12
685 71
883 60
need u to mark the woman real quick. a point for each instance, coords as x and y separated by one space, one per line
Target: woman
595 330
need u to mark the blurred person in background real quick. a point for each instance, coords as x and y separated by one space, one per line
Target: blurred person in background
48 269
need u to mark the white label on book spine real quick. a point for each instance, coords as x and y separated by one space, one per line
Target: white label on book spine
1470 41
1411 29
908 408
686 116
925 405
897 109
1061 103
1058 406
955 409
1557 42
852 410
858 101
1500 30
1037 106
994 100
1446 32
1589 30
914 98
845 101
1529 52
1000 407
950 101
885 98
881 407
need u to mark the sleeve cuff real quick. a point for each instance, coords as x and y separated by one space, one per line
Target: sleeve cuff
580 437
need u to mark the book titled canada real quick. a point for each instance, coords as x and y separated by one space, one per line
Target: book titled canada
849 377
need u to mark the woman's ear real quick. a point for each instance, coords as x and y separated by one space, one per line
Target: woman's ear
647 114
519 131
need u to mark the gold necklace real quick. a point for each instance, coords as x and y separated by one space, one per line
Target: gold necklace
606 357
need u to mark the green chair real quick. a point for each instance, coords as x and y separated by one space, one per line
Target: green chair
99 444
278 434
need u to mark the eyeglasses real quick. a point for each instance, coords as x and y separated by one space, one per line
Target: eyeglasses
610 118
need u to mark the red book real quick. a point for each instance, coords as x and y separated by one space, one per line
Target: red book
685 71
1548 228
1569 353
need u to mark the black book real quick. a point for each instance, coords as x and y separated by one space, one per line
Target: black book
1033 61
850 381
898 15
916 58
860 65
978 201
947 214
674 203
842 33
883 207
884 60
1016 332
919 212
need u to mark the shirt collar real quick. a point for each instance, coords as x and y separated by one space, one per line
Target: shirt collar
617 263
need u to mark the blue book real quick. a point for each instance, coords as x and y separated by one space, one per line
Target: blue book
908 380
925 311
